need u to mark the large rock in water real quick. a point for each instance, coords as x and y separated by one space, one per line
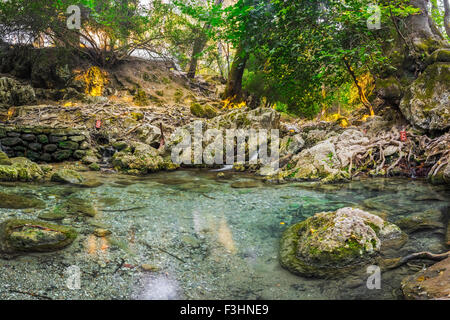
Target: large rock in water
13 93
19 169
431 283
21 236
331 243
426 103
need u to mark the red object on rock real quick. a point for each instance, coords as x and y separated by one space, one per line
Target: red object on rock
403 136
98 124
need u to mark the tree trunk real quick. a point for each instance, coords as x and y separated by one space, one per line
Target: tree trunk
420 31
199 45
447 17
234 84
434 11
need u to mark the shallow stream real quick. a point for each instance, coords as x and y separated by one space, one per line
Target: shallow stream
201 237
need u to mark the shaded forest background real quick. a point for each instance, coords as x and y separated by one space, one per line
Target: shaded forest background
305 58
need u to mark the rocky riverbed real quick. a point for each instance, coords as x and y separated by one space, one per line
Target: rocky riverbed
189 234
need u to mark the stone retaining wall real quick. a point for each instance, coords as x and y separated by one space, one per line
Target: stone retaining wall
41 144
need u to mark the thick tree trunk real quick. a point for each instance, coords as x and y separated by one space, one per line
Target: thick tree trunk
234 84
420 31
447 17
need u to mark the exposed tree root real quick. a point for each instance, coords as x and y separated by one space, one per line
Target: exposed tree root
423 156
420 255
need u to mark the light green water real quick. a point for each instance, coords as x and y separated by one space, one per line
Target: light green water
208 240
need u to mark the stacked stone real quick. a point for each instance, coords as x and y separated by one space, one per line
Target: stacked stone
45 145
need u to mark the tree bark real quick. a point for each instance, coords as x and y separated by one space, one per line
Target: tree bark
199 45
234 85
447 17
420 31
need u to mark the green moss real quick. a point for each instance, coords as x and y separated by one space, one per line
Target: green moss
203 111
34 236
140 98
14 201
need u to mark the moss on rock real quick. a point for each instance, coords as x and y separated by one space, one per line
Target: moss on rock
20 236
331 243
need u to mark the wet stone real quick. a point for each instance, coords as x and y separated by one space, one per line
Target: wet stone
77 138
42 138
11 141
35 146
71 145
50 148
29 137
62 155
46 157
14 201
19 236
56 139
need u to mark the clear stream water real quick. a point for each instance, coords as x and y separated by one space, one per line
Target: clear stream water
206 239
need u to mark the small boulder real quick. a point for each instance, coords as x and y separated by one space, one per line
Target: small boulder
22 236
332 243
203 111
429 284
15 201
67 176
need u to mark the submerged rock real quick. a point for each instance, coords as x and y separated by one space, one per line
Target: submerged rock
76 206
14 201
21 236
245 184
427 220
67 176
431 283
331 243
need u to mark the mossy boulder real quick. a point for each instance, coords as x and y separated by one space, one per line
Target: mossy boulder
140 159
426 103
22 236
74 205
4 160
291 145
317 163
332 243
21 169
389 89
203 110
15 201
13 93
67 176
